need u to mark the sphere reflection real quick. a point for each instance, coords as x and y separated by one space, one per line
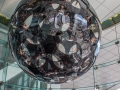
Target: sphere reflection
55 41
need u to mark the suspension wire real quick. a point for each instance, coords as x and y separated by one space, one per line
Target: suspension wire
73 84
50 85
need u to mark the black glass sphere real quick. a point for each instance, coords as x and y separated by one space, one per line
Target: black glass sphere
55 41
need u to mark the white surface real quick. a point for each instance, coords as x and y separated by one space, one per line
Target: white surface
1 72
105 8
54 58
76 4
73 49
28 20
55 6
8 7
12 71
65 27
106 74
53 86
61 48
40 24
102 7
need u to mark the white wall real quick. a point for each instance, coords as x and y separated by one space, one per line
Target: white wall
7 7
1 71
53 86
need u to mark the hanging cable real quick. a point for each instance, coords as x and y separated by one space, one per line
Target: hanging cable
73 86
50 86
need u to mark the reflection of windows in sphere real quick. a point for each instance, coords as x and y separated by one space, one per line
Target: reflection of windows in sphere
55 41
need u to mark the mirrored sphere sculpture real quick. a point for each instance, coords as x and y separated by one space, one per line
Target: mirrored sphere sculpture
55 41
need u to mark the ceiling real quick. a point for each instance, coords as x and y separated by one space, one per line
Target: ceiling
105 9
7 7
107 59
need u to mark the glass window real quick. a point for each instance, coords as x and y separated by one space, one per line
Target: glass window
1 71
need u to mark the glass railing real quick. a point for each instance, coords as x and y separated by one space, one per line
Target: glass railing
18 87
14 78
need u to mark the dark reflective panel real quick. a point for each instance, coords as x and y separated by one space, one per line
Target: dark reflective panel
55 41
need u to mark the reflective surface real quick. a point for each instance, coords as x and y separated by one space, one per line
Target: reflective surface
55 41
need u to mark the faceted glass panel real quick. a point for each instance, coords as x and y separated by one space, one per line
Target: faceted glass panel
55 41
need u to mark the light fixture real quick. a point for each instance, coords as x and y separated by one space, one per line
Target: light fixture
55 42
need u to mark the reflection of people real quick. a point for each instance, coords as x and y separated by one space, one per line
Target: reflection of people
31 48
24 56
21 50
50 13
86 62
52 27
62 17
22 16
35 59
27 62
79 18
62 9
80 24
66 18
90 20
57 36
25 27
93 39
60 64
70 34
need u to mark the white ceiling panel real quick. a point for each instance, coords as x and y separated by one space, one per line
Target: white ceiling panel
105 8
105 76
118 29
110 47
9 7
117 9
101 1
115 51
107 31
100 60
111 59
111 4
95 3
104 41
101 14
107 55
102 52
107 16
111 36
